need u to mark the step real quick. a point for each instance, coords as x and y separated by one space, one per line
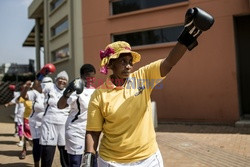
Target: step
243 123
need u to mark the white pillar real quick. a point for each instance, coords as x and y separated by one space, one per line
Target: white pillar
154 114
37 44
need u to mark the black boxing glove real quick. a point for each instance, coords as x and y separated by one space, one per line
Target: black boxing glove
196 21
76 85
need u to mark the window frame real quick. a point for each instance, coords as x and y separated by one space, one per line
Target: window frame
53 34
53 8
146 8
179 26
54 52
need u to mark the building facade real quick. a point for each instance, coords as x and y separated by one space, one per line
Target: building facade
208 85
59 23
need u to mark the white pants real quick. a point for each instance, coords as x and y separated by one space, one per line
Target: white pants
52 134
154 160
75 140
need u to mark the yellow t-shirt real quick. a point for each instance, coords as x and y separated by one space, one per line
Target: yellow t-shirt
28 107
124 114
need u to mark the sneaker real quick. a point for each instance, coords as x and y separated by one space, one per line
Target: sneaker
20 144
23 155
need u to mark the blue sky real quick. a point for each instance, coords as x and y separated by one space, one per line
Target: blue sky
15 27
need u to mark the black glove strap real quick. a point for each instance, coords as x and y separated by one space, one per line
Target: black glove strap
187 39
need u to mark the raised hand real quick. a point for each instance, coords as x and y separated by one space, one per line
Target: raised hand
76 85
48 68
196 21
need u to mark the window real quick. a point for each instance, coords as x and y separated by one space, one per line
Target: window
123 6
54 4
155 36
61 53
60 27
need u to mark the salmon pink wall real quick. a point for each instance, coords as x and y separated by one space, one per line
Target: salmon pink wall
202 87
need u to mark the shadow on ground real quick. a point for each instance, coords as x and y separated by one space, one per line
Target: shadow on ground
8 142
12 153
16 165
188 128
6 135
6 114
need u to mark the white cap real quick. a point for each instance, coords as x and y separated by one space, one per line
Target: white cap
47 79
62 74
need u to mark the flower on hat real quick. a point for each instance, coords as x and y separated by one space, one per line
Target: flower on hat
104 55
104 70
106 52
113 51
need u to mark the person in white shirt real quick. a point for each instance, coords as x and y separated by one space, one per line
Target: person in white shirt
77 120
18 118
13 102
35 120
54 119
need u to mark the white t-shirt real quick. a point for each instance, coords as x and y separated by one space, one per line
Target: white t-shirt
52 113
16 95
79 107
37 107
19 110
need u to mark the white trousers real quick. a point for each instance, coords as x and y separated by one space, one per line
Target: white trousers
52 134
154 160
75 140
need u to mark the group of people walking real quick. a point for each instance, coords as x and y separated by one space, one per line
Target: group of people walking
53 119
73 116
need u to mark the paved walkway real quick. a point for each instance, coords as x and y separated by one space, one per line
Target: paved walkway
180 145
204 146
9 151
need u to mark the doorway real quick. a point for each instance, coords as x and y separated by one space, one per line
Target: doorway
242 37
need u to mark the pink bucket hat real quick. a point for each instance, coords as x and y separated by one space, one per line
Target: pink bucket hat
113 51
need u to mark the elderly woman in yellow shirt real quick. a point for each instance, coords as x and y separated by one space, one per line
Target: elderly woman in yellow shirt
121 106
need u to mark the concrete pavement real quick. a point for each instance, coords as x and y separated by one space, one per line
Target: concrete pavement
180 145
9 151
204 145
